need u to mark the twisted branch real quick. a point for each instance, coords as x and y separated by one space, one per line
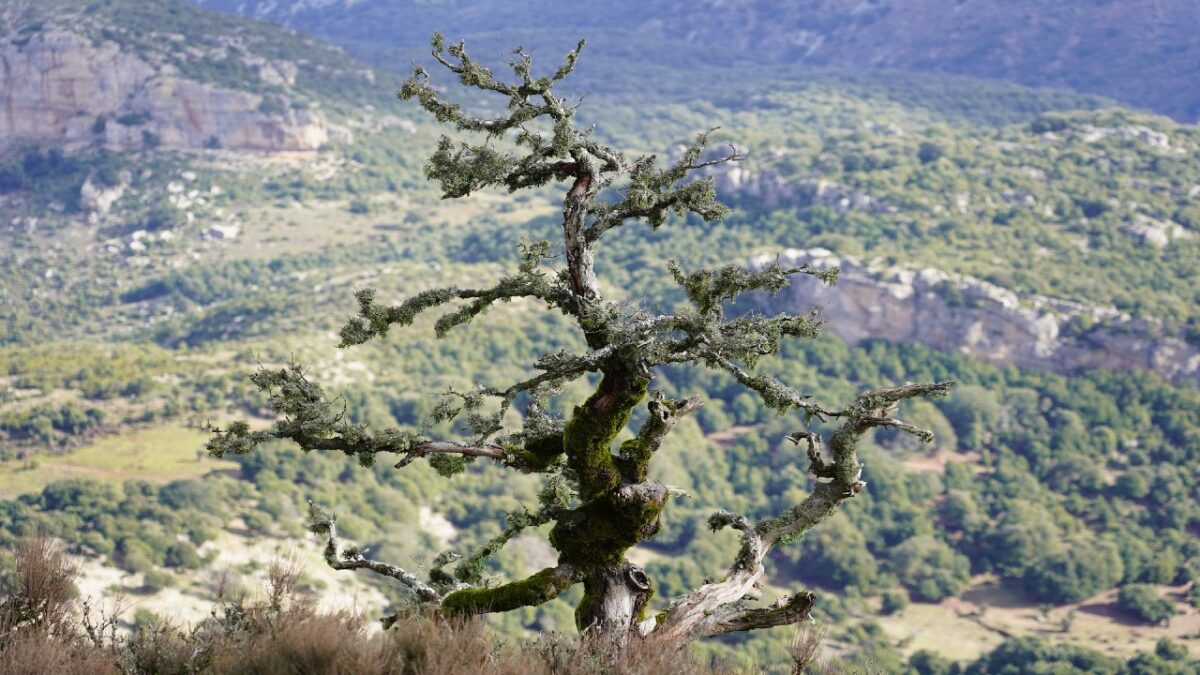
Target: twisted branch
322 523
710 610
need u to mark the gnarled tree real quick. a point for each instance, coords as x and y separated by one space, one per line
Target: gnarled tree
598 497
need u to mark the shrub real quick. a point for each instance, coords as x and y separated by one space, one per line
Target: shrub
1021 655
12 177
836 557
1074 573
156 580
1170 650
133 119
1144 602
183 555
930 152
930 568
1134 484
894 600
925 662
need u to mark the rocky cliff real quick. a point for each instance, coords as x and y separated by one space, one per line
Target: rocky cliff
958 313
62 87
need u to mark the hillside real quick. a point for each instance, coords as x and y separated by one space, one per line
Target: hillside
1141 52
142 280
127 76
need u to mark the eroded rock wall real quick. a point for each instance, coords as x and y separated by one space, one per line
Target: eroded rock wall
61 87
957 313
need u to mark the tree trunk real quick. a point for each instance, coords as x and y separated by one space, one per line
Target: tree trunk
614 598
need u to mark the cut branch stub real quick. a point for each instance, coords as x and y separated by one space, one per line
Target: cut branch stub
615 597
633 461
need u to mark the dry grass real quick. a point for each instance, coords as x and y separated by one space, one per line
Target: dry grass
965 628
43 629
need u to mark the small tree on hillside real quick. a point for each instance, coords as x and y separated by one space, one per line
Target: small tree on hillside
597 497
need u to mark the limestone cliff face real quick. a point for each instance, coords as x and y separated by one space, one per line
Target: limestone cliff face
58 86
770 188
956 313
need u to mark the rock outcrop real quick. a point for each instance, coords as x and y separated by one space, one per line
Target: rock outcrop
98 198
61 87
957 313
768 187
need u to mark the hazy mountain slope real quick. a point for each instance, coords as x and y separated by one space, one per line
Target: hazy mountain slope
1142 52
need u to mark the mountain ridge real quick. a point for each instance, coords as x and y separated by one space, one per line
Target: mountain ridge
1141 52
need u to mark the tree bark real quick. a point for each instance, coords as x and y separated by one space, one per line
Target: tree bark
579 255
614 597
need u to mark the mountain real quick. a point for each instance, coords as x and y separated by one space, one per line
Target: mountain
1141 52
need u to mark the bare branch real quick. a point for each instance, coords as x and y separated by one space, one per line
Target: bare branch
652 194
785 611
322 523
777 395
449 448
733 156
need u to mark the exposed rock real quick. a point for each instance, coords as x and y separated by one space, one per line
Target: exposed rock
1158 140
273 72
62 87
98 198
768 186
1155 232
230 231
957 313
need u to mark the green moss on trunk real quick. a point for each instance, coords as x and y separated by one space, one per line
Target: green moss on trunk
538 453
530 592
602 530
593 426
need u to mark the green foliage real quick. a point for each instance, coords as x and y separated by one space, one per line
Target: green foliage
925 662
930 569
1017 656
894 600
835 556
1144 602
1022 505
12 177
134 525
1081 570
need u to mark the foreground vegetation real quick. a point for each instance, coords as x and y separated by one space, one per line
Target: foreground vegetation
45 628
